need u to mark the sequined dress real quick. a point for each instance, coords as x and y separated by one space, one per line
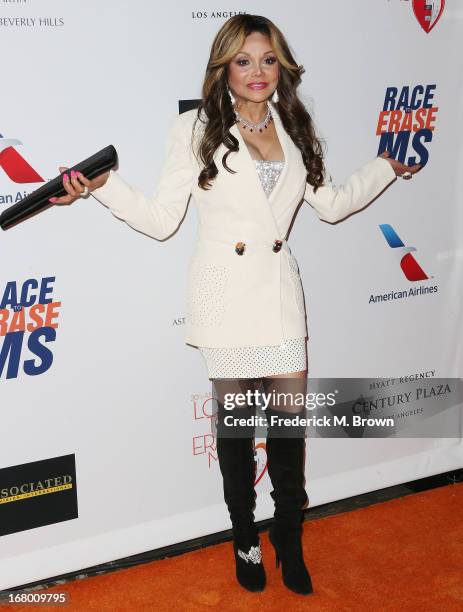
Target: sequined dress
256 361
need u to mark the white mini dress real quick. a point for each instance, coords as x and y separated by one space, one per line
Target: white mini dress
257 361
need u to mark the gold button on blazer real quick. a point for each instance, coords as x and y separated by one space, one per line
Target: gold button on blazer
241 290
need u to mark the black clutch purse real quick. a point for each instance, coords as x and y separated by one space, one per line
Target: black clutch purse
38 200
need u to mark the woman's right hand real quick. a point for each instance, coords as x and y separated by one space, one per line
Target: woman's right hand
76 184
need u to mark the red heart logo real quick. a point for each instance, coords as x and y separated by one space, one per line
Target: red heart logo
428 12
261 461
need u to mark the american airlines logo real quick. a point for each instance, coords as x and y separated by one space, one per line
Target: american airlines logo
13 163
410 267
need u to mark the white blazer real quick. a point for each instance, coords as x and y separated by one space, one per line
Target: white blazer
256 298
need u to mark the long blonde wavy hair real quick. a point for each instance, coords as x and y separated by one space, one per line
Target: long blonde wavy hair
216 110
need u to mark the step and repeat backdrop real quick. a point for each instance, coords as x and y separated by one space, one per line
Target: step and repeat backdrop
107 448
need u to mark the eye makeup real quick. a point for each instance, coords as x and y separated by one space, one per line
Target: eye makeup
243 61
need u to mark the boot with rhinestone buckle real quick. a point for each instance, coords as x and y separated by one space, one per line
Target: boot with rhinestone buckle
235 452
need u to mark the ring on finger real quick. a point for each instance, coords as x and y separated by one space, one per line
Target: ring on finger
406 175
85 192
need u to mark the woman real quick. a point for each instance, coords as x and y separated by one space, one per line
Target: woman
249 155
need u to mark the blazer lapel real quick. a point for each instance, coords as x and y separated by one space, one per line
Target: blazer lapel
288 183
294 173
245 166
287 145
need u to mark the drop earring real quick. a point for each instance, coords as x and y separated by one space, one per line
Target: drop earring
275 97
232 98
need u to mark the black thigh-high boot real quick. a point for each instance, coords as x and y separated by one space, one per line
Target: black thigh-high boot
285 463
235 452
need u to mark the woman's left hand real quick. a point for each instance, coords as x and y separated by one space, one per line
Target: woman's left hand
398 167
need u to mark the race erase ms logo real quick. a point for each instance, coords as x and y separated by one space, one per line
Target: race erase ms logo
428 12
28 323
410 267
14 165
406 122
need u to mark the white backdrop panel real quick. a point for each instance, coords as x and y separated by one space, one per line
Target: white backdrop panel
124 393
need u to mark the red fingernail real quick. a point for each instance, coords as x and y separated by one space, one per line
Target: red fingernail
73 173
53 199
65 177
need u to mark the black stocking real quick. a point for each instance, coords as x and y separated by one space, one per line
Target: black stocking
234 398
284 399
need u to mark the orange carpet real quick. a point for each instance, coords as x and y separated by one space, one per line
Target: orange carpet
404 554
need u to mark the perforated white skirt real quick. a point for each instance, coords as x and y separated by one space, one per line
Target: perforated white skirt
256 361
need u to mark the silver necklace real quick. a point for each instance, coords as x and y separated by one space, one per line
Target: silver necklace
255 126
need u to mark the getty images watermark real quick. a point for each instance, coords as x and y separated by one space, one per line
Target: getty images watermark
417 406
